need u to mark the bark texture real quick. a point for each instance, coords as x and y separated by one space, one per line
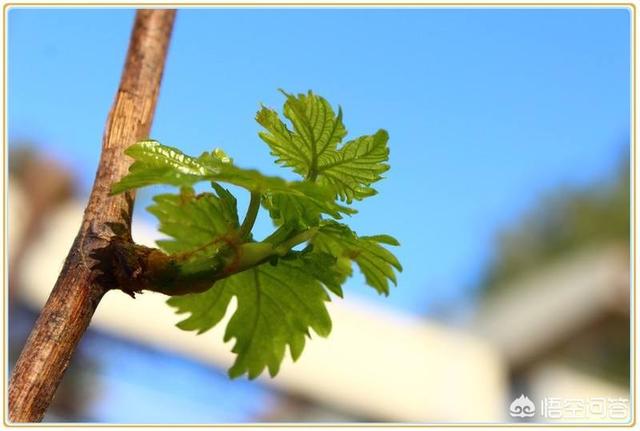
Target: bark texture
76 294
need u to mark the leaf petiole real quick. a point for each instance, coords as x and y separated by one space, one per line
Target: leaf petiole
250 218
304 236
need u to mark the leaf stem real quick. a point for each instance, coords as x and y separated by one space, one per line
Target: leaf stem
250 218
312 176
136 268
284 247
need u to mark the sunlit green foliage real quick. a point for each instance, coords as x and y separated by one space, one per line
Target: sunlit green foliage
280 291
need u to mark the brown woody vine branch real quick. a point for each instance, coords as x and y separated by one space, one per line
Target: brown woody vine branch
76 294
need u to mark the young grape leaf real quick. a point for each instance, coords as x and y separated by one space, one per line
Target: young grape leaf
375 262
323 266
160 164
311 148
280 292
316 132
357 165
194 221
277 305
289 209
198 226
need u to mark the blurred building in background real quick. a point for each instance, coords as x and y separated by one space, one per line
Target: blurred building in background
556 301
552 325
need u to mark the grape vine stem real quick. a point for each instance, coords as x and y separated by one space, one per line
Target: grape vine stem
76 294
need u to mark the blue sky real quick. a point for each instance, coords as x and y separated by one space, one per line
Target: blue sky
486 108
